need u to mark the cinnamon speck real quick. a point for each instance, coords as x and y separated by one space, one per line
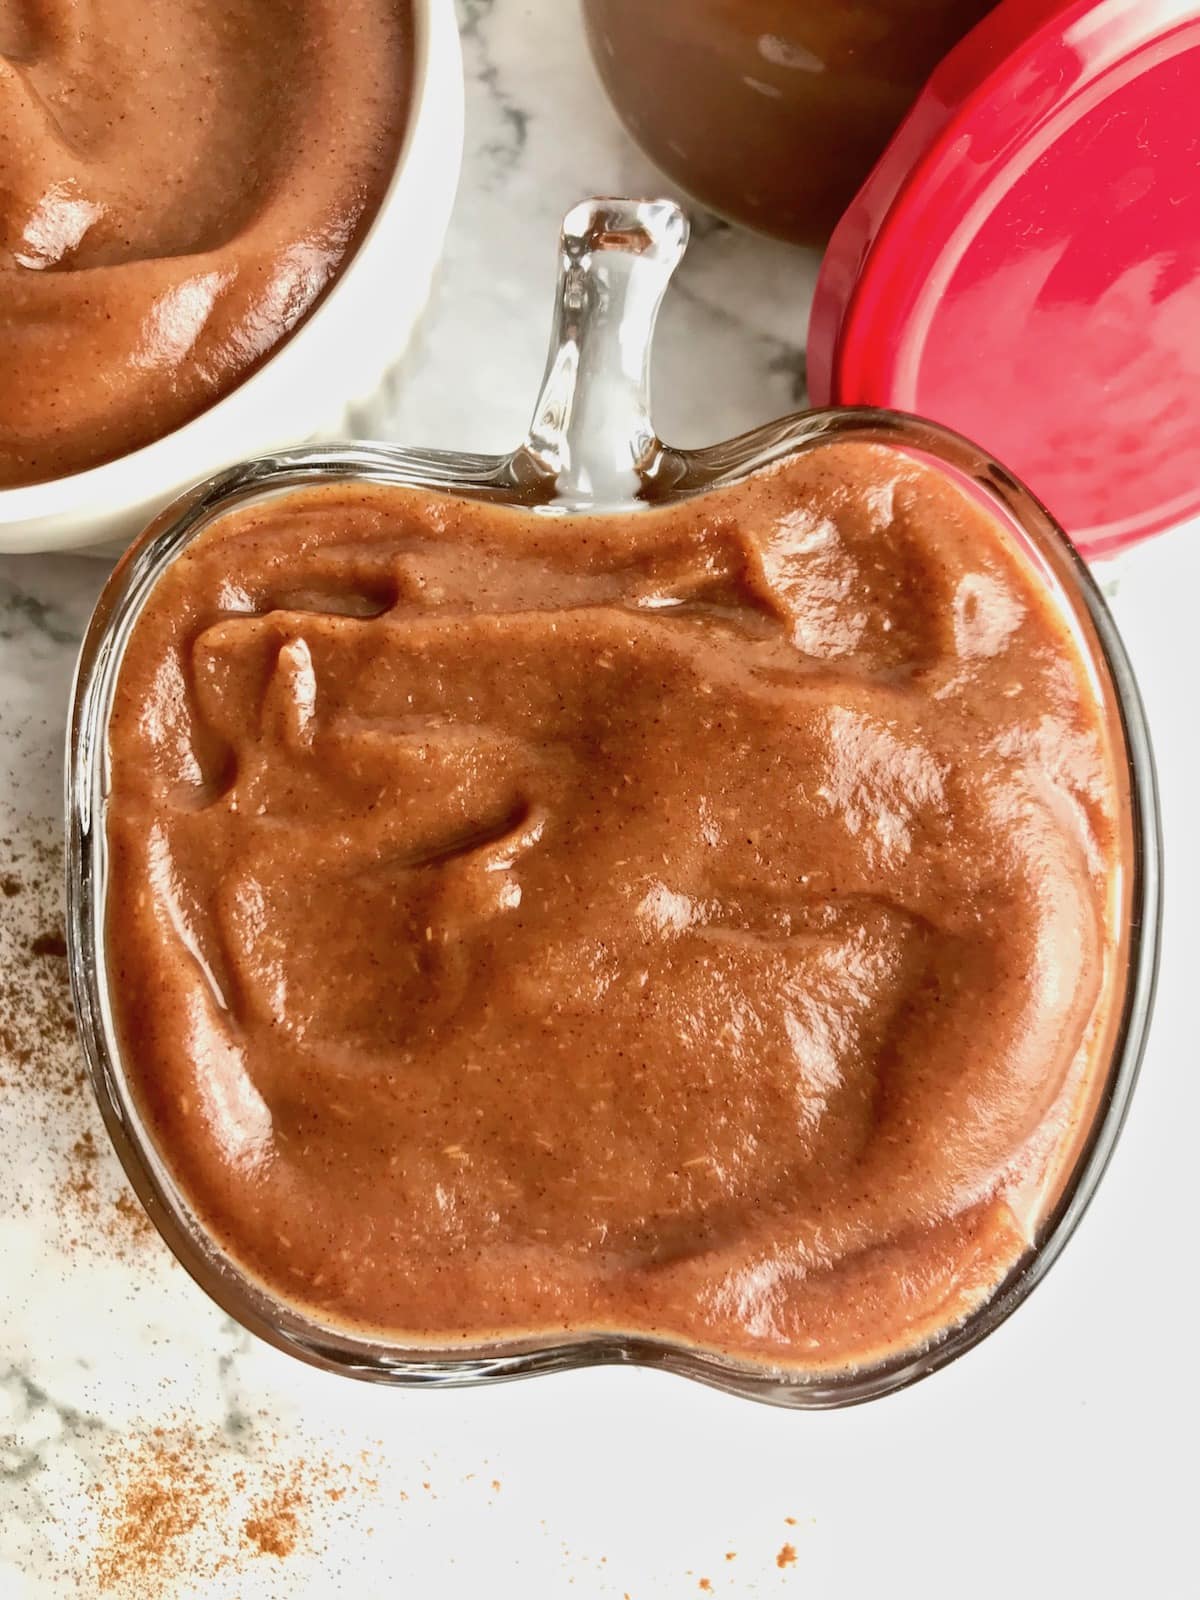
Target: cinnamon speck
705 1585
786 1556
731 1555
496 1485
791 1521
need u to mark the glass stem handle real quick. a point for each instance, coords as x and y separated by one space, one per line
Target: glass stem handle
591 429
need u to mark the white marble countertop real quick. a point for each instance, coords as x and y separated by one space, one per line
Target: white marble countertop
148 1447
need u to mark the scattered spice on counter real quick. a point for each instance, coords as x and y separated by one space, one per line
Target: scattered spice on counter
156 1497
786 1556
273 1527
81 1181
183 1499
37 1024
119 1222
706 1585
128 1223
44 1095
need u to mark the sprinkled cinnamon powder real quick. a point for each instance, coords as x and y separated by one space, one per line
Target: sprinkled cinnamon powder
187 1500
273 1527
149 1510
83 1154
127 1225
786 1556
37 1024
70 1175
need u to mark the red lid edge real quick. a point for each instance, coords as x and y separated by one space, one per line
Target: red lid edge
947 95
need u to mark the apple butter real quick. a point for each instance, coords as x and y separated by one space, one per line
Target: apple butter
180 183
770 112
702 922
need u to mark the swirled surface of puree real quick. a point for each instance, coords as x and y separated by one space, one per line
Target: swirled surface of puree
697 922
180 182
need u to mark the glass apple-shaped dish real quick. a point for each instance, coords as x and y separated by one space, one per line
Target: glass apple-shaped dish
592 447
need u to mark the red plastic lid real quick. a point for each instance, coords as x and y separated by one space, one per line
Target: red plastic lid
1024 263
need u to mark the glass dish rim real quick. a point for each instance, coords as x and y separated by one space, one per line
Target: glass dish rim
521 479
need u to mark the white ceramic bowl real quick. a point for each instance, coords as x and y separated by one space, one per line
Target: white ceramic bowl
332 361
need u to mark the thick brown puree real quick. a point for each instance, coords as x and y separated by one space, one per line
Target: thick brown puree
698 923
180 181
